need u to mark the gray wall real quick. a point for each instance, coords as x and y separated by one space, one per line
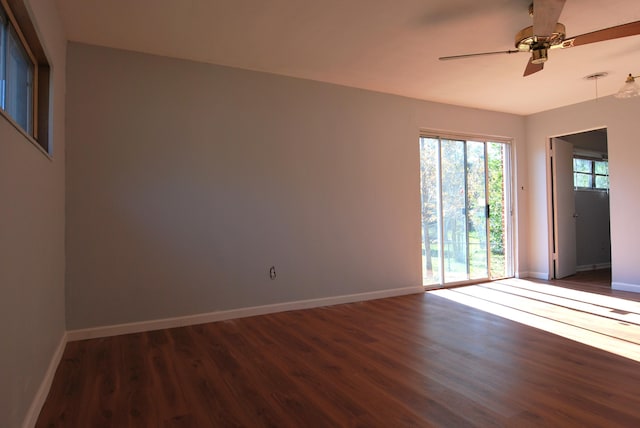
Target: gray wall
32 241
589 141
593 240
186 182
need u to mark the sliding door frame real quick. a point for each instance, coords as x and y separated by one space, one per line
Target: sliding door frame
509 203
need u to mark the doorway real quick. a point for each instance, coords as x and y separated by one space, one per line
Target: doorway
581 239
466 210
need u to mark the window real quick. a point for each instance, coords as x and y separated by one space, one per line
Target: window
24 73
589 173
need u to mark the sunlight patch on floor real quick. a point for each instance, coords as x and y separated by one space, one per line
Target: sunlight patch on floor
604 322
583 296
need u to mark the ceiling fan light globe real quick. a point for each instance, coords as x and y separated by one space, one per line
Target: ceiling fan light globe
630 89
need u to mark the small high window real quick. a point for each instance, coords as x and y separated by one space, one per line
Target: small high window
590 173
24 74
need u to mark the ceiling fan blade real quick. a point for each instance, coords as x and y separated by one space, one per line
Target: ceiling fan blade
545 16
447 58
532 68
624 30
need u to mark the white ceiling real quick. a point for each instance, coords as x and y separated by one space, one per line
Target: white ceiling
389 46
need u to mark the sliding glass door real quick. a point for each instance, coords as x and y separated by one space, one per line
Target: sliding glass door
466 232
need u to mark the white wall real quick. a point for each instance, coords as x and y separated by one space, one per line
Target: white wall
620 117
186 182
32 241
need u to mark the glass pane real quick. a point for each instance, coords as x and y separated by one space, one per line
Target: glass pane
429 182
18 87
454 212
582 165
602 181
497 217
477 210
602 168
582 180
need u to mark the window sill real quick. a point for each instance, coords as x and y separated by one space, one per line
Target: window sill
590 189
25 134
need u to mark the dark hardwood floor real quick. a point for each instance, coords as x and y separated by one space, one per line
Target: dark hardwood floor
412 361
593 280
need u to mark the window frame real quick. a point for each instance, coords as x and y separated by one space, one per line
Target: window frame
592 162
19 20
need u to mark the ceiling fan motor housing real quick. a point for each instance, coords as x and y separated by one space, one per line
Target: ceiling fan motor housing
526 40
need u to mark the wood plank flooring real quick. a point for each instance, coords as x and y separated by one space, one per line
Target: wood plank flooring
410 361
592 280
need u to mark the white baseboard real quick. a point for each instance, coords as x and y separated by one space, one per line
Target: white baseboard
537 275
584 268
43 391
621 286
138 327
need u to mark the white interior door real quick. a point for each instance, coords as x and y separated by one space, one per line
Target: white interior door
564 209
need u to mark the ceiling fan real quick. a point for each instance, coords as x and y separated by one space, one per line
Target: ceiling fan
547 33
